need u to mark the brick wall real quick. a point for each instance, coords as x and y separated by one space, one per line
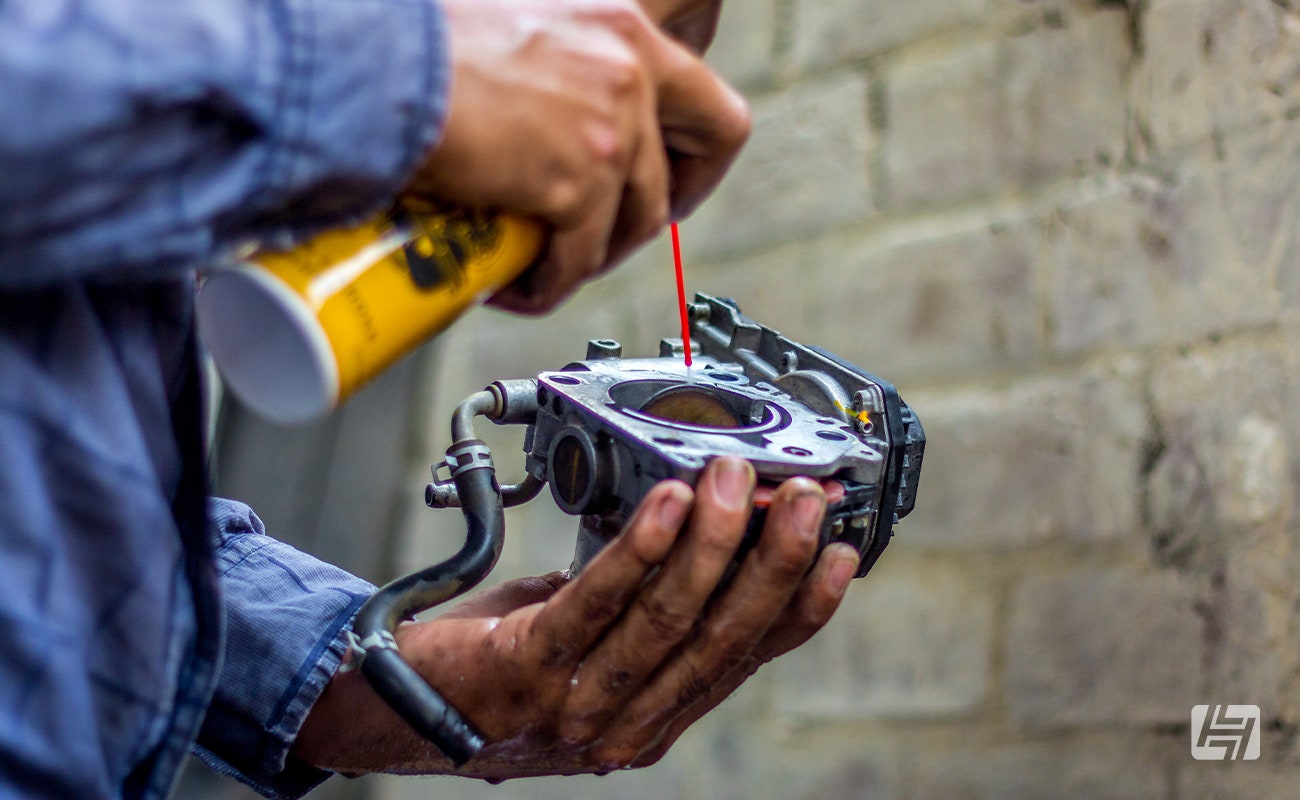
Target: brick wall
1067 230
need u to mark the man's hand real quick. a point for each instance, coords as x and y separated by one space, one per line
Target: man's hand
691 22
567 111
607 670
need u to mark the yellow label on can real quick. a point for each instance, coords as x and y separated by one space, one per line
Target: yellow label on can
381 288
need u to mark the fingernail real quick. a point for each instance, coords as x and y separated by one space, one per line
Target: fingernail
841 572
808 508
674 507
733 479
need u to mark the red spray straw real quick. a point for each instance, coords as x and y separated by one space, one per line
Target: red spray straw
681 295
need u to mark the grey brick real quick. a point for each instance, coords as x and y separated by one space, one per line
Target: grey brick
769 286
833 31
913 641
1289 331
950 296
1223 407
1061 98
1211 66
1248 613
941 140
1152 262
1009 112
1220 496
744 762
1094 767
746 43
1041 459
1275 774
1257 176
1103 646
942 299
805 170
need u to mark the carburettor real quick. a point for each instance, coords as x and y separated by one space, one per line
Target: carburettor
608 428
603 431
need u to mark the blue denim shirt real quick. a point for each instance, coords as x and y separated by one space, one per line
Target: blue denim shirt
139 138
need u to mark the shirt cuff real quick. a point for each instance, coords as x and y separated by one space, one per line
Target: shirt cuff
287 614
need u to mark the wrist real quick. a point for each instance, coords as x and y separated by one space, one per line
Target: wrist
353 732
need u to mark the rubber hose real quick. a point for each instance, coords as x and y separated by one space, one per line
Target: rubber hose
423 708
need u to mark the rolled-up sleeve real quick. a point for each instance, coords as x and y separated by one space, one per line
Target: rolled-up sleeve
138 135
286 619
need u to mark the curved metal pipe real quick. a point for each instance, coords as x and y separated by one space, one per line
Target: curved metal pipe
516 494
479 404
492 403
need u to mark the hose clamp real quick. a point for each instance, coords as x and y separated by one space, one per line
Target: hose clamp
359 647
468 456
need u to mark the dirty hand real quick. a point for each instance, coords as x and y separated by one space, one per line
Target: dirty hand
566 111
605 671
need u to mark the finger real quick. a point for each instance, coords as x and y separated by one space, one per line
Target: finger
665 612
645 208
740 617
664 12
573 256
691 22
578 615
579 251
705 123
814 603
693 179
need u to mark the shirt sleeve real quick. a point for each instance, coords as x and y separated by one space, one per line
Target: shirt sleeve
139 135
286 618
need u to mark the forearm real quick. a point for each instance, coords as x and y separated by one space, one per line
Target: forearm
139 134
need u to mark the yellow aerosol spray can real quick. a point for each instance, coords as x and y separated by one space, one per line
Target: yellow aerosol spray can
294 332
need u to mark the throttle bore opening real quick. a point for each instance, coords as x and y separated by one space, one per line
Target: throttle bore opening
572 470
695 407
